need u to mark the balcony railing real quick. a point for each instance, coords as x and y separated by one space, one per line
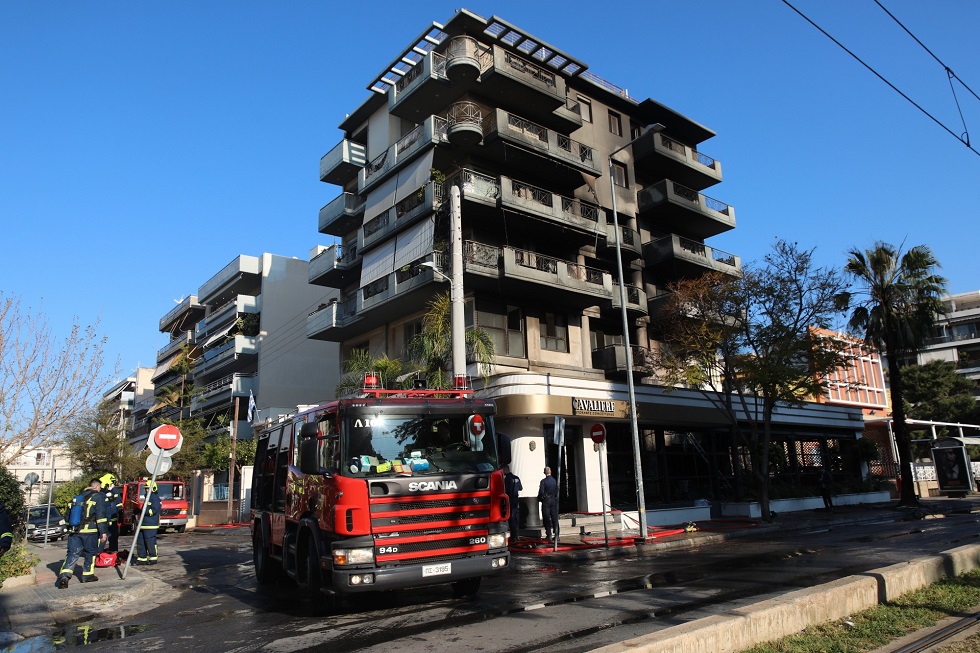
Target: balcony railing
528 69
473 185
174 345
189 303
515 128
478 255
433 129
467 47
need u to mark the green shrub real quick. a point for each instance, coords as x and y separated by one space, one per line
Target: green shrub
18 561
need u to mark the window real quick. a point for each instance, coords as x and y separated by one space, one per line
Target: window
506 331
39 458
409 331
635 130
585 108
619 175
554 332
615 123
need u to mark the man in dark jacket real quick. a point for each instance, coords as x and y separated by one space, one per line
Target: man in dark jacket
113 508
146 549
548 495
85 541
513 487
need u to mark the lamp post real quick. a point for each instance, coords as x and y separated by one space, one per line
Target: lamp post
634 426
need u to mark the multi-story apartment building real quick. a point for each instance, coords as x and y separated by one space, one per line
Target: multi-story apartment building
132 398
35 469
957 338
526 132
244 334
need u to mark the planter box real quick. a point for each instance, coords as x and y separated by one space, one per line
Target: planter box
752 509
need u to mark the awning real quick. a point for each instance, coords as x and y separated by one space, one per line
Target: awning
378 262
380 199
414 243
414 176
218 335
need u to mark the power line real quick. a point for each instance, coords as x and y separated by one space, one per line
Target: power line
950 75
879 76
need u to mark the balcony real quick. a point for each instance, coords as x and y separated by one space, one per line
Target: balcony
399 292
636 302
229 276
336 266
223 391
423 90
629 240
188 308
222 359
680 210
172 347
686 257
504 130
520 82
225 315
657 156
342 163
572 283
422 202
555 209
612 359
568 117
433 130
474 187
342 215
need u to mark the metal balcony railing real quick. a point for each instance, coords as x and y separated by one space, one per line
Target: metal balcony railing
472 184
467 47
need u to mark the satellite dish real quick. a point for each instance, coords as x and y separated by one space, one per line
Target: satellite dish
31 479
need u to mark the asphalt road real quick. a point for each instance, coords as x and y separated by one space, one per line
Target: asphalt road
544 603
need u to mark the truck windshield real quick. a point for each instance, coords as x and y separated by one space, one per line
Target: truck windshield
166 491
394 445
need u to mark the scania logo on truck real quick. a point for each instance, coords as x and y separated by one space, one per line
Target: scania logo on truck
428 486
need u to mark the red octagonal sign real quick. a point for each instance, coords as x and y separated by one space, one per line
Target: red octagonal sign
165 439
598 433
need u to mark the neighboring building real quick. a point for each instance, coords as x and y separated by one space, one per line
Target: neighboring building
957 338
525 131
36 465
132 397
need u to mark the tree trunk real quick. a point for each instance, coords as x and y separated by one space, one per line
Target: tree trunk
908 497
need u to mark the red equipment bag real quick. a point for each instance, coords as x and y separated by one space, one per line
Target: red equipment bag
106 559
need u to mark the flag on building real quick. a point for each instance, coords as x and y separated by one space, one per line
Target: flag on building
251 406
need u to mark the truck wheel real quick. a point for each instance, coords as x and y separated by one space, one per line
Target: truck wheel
266 570
308 576
466 587
181 529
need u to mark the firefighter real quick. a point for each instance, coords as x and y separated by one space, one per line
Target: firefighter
6 531
146 550
113 508
86 540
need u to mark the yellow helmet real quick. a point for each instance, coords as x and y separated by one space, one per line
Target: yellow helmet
108 479
153 487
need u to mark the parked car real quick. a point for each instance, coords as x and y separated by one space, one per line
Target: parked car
38 524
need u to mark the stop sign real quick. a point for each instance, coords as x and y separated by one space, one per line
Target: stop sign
165 439
598 433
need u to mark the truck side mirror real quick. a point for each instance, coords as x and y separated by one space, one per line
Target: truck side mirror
309 461
503 449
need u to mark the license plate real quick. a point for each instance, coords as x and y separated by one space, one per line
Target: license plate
437 570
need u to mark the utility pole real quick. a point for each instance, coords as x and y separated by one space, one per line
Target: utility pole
456 284
231 462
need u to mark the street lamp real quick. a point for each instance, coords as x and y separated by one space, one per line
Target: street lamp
634 426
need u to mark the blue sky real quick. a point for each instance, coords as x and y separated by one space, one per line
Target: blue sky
145 145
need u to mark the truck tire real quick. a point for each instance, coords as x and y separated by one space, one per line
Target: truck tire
466 587
308 576
267 571
181 529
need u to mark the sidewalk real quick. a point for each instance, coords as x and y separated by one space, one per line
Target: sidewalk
35 608
32 606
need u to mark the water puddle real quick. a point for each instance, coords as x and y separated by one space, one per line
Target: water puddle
73 637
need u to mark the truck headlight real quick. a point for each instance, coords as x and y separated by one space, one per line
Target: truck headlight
353 556
497 540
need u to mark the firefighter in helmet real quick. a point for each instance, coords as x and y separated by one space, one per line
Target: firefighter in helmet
84 543
113 509
146 550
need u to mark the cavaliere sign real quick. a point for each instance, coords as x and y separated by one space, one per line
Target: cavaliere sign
600 408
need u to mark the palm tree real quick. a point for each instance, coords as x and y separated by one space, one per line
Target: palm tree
903 301
359 363
432 349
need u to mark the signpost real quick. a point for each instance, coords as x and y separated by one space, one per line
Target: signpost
164 441
598 434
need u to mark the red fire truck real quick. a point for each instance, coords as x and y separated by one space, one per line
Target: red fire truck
173 505
391 490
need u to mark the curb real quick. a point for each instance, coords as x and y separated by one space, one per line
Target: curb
790 613
18 582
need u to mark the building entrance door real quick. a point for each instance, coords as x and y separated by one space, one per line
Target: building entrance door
571 452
